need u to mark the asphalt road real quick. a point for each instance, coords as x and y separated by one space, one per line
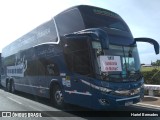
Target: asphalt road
21 102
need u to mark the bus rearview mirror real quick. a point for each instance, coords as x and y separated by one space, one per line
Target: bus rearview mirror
151 41
104 43
102 35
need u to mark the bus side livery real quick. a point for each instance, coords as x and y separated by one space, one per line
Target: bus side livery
85 56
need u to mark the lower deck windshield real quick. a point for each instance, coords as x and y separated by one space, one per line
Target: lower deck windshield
118 63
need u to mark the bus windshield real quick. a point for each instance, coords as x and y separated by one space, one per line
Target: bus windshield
118 63
96 18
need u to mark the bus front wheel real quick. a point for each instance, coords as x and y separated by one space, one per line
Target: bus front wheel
57 96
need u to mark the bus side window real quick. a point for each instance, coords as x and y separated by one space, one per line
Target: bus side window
81 62
77 56
2 71
52 69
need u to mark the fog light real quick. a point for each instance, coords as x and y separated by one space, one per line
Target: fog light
103 102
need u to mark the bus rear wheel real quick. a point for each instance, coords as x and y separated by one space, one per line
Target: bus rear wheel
12 87
8 86
57 96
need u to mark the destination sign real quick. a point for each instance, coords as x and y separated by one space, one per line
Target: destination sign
105 12
110 63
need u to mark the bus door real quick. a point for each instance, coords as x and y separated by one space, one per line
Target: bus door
78 60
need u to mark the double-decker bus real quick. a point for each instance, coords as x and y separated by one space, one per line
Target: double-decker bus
85 56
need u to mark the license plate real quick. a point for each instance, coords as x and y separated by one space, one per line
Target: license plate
128 103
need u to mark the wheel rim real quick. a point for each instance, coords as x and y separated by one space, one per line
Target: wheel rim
58 97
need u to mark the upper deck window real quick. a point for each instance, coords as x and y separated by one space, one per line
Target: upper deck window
69 21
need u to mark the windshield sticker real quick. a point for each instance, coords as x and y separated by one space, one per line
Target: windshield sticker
62 74
110 63
66 82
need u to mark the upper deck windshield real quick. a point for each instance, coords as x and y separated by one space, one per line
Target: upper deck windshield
96 18
118 63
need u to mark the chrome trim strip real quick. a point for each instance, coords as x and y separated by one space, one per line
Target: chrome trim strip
31 86
57 36
45 43
80 93
128 98
56 31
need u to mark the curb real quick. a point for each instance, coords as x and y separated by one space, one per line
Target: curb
152 96
151 106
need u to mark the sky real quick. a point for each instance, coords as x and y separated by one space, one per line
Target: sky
17 17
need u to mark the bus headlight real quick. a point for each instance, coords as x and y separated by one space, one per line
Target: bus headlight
106 90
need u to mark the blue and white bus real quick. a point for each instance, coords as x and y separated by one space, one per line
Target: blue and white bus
85 56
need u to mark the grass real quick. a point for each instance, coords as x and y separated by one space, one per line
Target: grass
149 68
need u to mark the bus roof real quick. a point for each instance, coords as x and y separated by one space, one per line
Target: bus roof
71 20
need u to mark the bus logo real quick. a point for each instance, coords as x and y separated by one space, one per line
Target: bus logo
18 69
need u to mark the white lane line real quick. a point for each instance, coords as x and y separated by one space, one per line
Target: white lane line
14 100
148 105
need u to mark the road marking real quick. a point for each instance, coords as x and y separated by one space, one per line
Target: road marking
14 100
148 105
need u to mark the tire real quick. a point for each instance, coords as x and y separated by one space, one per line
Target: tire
12 87
57 96
8 86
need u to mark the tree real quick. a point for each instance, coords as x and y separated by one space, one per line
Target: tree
153 63
158 62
